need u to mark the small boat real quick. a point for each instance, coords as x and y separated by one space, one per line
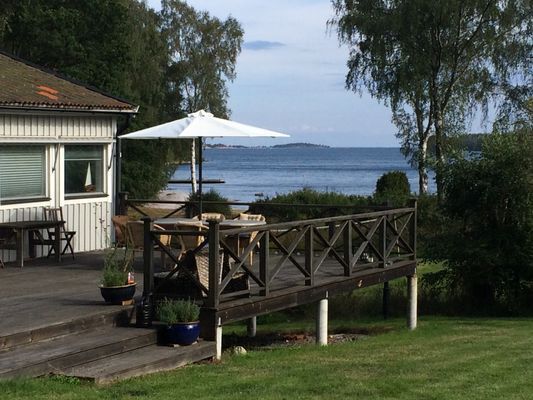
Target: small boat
259 194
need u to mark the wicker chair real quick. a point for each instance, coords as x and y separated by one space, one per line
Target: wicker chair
119 223
246 238
211 216
135 238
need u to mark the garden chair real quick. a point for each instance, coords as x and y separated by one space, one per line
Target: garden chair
246 238
7 241
119 223
56 214
211 216
135 238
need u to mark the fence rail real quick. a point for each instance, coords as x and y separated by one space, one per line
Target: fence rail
290 254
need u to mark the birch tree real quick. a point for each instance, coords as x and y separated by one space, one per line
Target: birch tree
204 52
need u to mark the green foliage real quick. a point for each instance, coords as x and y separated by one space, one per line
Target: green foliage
129 50
117 263
340 203
436 62
170 311
393 186
486 230
212 195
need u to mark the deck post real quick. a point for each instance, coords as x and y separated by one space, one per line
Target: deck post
263 263
347 248
218 340
148 270
213 297
322 322
412 293
122 206
251 327
309 251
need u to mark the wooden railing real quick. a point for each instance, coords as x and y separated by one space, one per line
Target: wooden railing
312 250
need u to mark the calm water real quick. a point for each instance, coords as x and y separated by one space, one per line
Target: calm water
270 171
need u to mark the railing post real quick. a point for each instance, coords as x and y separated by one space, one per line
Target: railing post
383 241
122 208
412 231
264 254
213 297
331 233
348 251
412 297
309 256
148 271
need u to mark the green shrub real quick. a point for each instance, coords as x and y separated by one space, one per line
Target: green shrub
486 231
170 311
340 204
393 187
117 264
212 195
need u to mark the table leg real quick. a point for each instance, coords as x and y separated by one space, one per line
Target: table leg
31 243
20 247
57 242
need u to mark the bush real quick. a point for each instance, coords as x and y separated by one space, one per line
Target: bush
212 195
340 204
393 187
170 311
486 236
117 264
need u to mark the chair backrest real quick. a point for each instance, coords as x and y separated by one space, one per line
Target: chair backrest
119 223
251 217
190 242
211 216
7 238
135 235
53 213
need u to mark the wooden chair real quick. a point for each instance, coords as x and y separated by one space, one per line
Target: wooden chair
190 242
56 214
7 241
119 223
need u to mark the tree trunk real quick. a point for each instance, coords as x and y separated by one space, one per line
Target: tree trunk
422 170
439 153
193 167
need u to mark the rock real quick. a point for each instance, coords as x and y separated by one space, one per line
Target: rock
238 351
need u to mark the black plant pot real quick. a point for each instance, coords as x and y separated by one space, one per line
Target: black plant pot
118 294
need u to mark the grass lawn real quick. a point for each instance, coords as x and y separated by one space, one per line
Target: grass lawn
445 358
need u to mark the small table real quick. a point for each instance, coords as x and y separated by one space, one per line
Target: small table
31 226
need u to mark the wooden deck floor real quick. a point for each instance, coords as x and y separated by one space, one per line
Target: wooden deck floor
46 293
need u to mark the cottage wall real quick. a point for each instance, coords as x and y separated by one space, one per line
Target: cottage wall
89 215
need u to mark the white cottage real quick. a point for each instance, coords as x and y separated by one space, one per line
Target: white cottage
57 148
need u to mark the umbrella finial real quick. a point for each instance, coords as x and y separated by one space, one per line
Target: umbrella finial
200 113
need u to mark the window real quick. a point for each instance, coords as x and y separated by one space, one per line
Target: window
84 168
22 172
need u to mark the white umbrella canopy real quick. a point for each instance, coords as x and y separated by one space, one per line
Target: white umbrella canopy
201 124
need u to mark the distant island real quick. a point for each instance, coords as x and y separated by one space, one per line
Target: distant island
277 146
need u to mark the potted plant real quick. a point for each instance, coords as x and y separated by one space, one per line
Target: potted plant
181 320
118 285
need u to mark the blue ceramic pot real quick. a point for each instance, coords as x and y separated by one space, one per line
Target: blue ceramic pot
184 333
118 294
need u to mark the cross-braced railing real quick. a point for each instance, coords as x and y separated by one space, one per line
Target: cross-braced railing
299 253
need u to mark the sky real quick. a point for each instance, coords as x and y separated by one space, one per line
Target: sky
291 76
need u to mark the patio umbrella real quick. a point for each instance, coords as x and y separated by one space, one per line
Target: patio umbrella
198 125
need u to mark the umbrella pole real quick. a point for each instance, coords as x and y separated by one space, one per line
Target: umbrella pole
200 177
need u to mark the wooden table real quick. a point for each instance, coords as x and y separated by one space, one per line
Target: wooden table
168 223
20 227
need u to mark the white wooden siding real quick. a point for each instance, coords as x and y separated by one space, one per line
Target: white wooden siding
89 217
56 127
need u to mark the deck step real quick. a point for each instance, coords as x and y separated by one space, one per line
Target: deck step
114 316
60 353
142 361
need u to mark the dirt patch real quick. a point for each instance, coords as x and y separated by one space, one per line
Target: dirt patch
271 340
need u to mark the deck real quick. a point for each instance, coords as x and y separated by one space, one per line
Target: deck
53 319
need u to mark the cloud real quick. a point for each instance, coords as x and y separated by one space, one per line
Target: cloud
262 45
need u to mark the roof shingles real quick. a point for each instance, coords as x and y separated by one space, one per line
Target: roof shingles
26 86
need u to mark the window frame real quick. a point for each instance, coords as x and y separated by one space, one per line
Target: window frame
104 178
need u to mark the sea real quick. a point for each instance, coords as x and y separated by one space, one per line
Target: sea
255 173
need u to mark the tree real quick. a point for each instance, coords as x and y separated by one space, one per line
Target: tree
435 62
204 53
